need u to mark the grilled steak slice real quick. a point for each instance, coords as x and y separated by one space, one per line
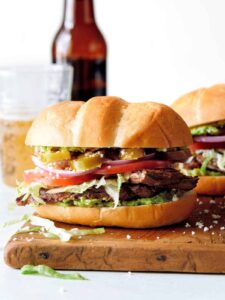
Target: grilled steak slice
163 178
211 165
141 184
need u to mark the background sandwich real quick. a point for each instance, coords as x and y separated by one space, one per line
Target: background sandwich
107 162
204 112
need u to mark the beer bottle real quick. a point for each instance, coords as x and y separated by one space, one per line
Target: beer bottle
80 43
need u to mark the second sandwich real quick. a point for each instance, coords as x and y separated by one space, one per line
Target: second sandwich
204 112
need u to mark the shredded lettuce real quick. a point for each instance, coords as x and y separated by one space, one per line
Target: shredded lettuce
27 190
113 187
217 156
28 229
49 272
49 229
205 129
197 172
205 163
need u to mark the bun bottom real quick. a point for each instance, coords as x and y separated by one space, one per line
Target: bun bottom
144 216
211 185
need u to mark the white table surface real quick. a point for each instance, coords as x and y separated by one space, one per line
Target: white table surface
101 285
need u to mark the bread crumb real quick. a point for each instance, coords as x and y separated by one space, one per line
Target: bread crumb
222 228
157 237
193 233
129 273
200 203
199 224
128 237
215 221
206 211
212 233
212 201
214 216
187 225
211 226
205 229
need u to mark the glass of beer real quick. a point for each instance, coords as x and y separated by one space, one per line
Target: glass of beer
24 91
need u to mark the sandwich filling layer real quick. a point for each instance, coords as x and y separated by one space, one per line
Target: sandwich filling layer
208 151
108 177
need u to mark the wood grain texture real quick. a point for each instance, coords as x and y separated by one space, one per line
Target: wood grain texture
170 249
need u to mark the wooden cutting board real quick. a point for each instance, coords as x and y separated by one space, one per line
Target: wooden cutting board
178 248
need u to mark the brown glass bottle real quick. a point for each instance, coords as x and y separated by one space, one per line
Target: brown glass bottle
80 43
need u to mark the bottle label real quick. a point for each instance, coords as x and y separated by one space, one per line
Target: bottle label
89 78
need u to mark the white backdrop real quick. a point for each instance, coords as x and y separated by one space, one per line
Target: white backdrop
158 49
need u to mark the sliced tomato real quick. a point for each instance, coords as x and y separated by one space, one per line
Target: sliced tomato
199 146
48 179
133 166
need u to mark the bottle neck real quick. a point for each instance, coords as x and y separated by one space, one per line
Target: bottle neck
77 12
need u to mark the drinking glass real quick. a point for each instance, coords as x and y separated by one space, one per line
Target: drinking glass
24 91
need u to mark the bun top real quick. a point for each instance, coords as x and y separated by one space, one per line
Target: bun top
202 106
108 122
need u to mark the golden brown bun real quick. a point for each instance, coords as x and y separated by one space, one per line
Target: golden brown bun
202 106
144 216
109 122
211 185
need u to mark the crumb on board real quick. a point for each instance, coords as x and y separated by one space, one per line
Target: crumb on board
216 217
199 224
212 201
128 236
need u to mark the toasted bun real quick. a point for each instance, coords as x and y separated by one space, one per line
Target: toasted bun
144 216
211 185
108 122
202 106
